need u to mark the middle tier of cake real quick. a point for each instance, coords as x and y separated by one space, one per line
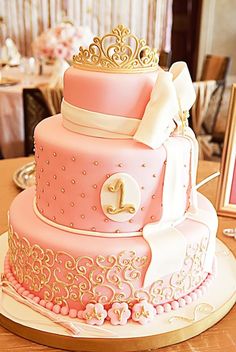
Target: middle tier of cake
72 168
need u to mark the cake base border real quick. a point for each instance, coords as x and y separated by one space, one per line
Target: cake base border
94 344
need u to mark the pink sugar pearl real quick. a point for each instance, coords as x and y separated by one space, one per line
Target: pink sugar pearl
42 303
167 307
188 299
160 309
182 302
36 299
80 314
49 305
193 295
174 305
21 290
31 296
72 313
17 287
25 293
64 310
56 309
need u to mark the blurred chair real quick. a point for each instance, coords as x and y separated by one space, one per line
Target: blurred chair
205 112
35 110
199 112
53 96
215 68
165 59
201 122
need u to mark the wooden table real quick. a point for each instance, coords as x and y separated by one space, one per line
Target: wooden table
221 337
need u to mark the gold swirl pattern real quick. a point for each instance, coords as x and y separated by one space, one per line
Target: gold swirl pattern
61 278
119 51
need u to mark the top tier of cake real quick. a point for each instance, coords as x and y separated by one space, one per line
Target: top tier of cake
114 75
109 93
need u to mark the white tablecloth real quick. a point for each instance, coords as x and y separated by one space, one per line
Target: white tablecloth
11 111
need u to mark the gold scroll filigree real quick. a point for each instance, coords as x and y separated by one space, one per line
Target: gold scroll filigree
59 277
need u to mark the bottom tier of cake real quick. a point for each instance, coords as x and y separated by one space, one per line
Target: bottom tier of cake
63 271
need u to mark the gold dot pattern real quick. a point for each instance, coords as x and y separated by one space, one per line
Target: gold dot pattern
74 184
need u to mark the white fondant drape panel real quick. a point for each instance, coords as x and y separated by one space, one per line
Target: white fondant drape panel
149 19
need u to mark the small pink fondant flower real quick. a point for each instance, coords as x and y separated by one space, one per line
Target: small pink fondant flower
143 312
94 314
119 313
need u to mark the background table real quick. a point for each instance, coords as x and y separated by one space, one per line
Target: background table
11 109
221 337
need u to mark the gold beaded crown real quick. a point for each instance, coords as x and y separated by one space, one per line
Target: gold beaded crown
119 51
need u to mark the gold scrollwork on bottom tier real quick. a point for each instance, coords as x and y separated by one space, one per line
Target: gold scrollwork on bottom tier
60 277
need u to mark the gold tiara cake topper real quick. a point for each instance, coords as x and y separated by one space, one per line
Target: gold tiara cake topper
119 51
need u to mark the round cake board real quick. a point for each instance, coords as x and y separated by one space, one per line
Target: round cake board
190 321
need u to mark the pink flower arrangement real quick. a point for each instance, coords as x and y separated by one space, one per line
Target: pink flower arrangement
61 42
119 313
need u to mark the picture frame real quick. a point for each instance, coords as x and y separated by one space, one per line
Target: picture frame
226 192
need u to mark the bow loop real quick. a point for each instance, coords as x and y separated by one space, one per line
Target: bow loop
172 97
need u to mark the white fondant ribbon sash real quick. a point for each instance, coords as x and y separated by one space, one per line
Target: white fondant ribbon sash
172 94
173 197
174 203
178 90
168 250
209 219
96 124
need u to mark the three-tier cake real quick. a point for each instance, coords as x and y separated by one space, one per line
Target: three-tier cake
115 229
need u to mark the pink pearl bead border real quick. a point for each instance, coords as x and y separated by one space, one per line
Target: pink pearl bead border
74 313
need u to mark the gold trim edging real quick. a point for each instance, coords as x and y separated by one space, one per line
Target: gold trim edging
118 344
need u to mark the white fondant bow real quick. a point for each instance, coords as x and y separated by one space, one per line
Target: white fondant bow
171 98
173 95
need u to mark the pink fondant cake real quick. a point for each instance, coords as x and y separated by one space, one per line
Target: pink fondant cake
102 92
115 228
